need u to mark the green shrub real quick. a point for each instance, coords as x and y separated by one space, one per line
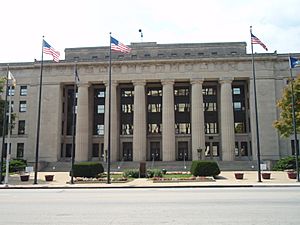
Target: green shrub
286 163
205 168
131 173
87 169
154 173
15 165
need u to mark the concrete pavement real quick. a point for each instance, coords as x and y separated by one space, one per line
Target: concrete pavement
225 179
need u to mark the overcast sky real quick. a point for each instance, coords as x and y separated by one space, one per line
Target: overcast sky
87 23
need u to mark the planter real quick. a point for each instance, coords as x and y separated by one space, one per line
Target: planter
239 176
24 177
292 175
49 177
266 176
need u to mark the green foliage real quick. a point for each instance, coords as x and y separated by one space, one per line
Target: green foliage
286 163
154 173
131 173
285 122
205 168
15 165
87 169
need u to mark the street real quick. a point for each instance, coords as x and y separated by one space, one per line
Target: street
151 206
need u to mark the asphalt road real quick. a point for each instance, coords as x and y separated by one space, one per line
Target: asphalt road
208 206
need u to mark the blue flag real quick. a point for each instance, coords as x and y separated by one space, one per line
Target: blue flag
294 62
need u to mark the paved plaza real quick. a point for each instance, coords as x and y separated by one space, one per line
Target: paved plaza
225 179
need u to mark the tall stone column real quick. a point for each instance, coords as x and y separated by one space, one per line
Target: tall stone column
227 120
139 122
82 124
197 122
114 132
168 121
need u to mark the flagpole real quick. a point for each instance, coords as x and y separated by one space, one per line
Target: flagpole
296 148
256 114
4 126
73 124
109 114
8 148
38 120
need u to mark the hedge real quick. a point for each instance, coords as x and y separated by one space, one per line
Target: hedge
205 168
87 169
286 163
15 165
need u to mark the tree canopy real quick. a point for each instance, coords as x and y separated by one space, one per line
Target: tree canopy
285 122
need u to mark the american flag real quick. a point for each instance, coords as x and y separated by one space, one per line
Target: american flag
255 40
47 49
118 46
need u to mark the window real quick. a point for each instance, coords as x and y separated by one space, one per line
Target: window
182 107
20 150
182 128
11 91
211 128
210 106
155 92
23 106
23 90
100 129
127 93
154 107
101 94
239 127
100 109
236 91
181 92
209 91
127 108
154 128
237 106
127 129
21 127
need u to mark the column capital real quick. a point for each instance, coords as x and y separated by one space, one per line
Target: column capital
196 80
167 81
139 82
224 80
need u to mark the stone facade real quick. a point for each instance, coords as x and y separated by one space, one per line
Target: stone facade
168 102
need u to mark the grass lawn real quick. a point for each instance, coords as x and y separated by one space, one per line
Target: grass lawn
177 175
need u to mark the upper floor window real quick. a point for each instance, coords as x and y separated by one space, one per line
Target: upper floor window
23 106
209 91
182 107
154 107
21 127
127 93
100 109
183 128
181 92
11 91
210 106
236 91
127 108
154 92
101 94
23 90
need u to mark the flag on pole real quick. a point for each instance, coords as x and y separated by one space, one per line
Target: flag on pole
294 62
47 49
255 40
118 46
11 79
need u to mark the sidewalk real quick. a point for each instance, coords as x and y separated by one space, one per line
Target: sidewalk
225 179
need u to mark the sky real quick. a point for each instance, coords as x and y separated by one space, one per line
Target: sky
87 23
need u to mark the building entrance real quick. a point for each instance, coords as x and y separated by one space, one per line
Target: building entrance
183 151
127 151
155 151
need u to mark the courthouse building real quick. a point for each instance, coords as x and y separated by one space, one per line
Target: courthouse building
169 102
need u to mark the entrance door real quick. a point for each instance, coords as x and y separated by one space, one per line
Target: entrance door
155 151
183 151
127 151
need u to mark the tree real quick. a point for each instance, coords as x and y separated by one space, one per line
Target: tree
285 122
